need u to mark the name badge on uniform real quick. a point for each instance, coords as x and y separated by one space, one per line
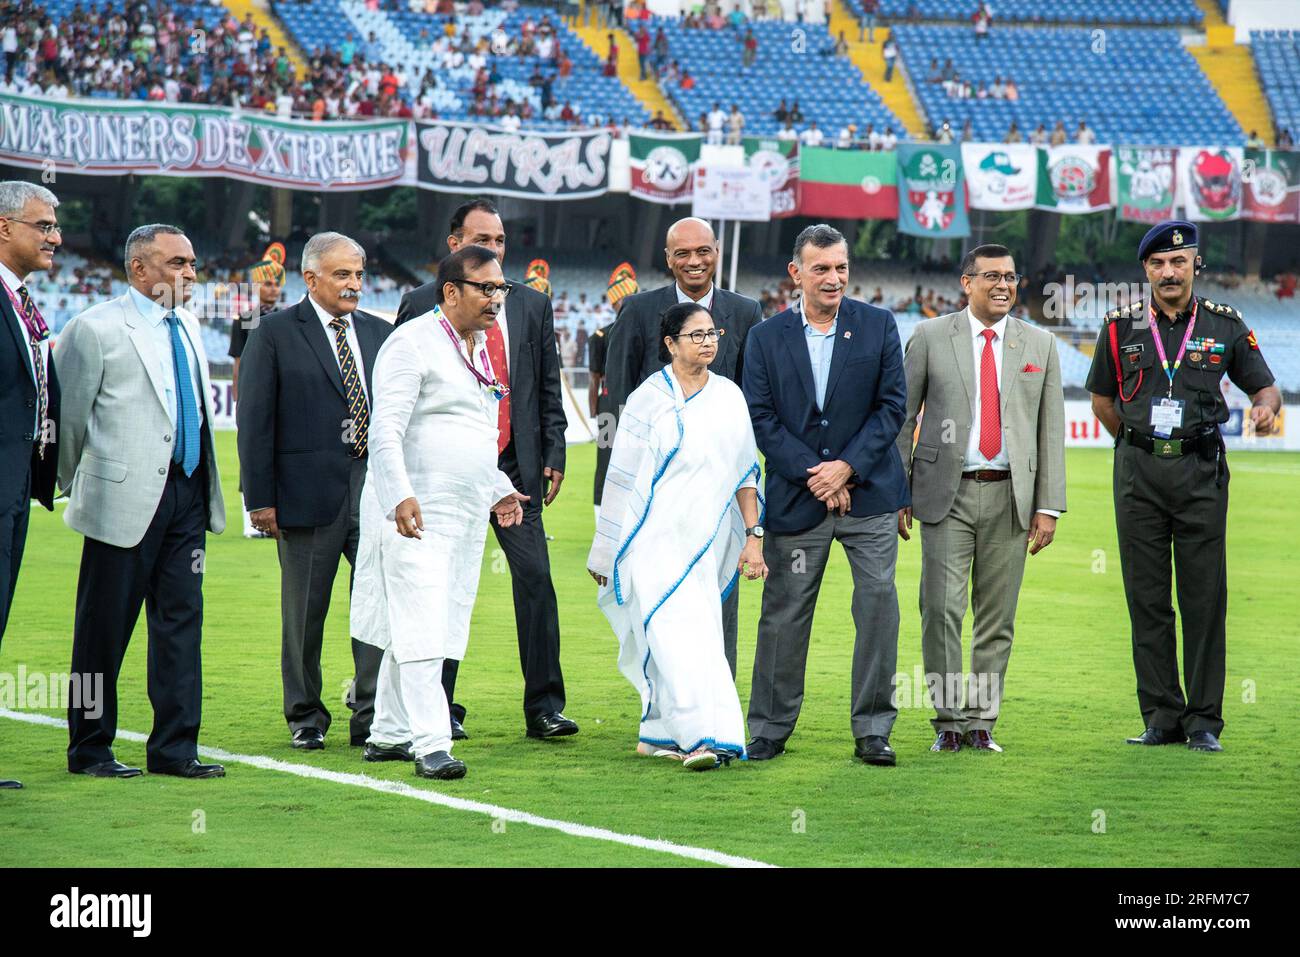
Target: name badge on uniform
1166 415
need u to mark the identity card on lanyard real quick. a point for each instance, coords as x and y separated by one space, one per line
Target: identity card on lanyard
1166 411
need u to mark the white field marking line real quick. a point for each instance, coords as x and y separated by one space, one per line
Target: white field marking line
433 797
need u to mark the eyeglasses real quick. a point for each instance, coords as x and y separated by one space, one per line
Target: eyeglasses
699 335
45 228
489 289
992 277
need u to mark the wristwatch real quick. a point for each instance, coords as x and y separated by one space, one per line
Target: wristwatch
755 530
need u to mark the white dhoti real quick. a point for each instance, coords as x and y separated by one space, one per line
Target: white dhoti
433 438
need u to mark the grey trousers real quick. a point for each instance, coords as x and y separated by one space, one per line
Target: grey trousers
795 567
979 541
309 562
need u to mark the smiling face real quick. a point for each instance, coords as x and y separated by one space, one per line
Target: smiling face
692 252
26 248
480 228
990 298
822 275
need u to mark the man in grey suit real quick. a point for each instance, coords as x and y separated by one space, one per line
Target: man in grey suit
632 352
988 481
303 416
136 454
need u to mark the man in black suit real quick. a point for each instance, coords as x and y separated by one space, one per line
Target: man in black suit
303 417
632 355
531 451
29 389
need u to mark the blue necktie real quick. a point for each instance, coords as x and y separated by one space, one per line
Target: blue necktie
186 452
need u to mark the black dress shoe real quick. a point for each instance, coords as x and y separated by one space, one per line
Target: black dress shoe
1159 736
458 732
7 785
191 769
309 739
110 769
875 749
1203 741
439 765
947 741
553 725
981 740
387 752
764 749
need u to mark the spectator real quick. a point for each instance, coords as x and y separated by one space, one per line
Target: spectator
611 58
1284 140
643 50
935 75
796 114
1085 134
1039 136
981 24
717 119
751 49
812 136
687 81
1059 135
1255 141
841 47
1013 134
660 122
890 53
735 126
944 134
848 135
661 50
787 133
782 112
868 20
1011 92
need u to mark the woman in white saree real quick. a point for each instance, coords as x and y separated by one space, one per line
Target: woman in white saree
679 522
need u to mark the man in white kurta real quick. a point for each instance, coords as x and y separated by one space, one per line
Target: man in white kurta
432 481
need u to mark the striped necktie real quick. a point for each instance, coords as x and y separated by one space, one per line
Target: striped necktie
37 332
186 452
356 396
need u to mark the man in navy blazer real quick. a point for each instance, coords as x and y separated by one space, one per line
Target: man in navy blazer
827 394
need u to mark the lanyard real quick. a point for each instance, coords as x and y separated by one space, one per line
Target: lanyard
489 380
1160 346
37 331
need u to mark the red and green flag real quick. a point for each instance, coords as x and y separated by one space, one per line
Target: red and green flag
847 184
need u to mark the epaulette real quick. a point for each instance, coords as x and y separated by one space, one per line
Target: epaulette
1124 312
1222 310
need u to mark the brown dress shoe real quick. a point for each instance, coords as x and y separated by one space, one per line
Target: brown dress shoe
947 741
981 741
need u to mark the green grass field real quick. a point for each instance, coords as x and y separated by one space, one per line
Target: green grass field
1069 704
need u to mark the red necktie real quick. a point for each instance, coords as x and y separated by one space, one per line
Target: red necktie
990 401
496 346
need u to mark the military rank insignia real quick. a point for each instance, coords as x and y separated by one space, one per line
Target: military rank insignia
1252 341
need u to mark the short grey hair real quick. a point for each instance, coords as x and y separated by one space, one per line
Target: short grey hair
15 194
322 243
143 236
821 236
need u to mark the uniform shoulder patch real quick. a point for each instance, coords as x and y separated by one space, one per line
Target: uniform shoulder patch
1220 309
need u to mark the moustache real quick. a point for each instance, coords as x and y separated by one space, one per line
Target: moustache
349 294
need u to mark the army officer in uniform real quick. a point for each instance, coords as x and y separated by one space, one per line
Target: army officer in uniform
1155 384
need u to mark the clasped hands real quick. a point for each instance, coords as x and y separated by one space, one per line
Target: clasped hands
829 482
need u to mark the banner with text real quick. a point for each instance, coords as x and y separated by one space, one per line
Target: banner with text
1148 183
469 158
1001 176
110 138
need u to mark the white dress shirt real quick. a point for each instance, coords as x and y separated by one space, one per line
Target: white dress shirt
974 459
706 301
13 282
353 343
161 338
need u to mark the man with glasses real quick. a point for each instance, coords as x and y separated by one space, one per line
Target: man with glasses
530 443
29 388
434 479
988 481
304 417
632 355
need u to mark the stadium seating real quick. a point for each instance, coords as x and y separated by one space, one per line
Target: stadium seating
1120 83
792 63
1149 12
323 25
1277 58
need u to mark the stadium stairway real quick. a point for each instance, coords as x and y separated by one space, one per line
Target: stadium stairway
869 58
264 18
1231 68
594 37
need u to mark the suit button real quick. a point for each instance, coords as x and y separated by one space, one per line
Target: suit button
31 403
167 438
825 423
27 437
826 451
162 471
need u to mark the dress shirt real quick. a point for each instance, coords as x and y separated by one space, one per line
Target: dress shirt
706 301
353 343
160 337
13 282
821 347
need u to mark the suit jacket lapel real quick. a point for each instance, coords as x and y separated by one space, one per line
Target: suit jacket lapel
19 331
1012 354
798 346
320 343
516 326
963 353
846 327
142 338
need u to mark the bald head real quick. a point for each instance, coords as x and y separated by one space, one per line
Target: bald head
692 252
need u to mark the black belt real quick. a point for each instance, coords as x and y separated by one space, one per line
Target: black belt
1171 448
987 475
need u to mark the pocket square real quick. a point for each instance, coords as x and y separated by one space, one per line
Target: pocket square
1030 367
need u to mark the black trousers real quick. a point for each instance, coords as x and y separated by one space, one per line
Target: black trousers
1163 504
537 614
15 509
164 573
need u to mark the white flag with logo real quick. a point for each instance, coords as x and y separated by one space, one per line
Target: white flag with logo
1001 176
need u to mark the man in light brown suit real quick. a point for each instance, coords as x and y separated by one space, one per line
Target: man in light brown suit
988 481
